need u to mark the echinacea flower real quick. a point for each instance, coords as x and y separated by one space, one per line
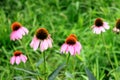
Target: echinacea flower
17 31
71 45
41 38
100 26
117 27
18 57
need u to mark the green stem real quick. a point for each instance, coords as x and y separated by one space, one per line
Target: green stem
32 65
108 55
115 57
68 59
44 66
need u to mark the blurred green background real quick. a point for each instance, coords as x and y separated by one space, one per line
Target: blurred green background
100 53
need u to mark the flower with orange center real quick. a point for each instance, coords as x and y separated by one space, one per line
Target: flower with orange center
117 27
71 45
42 38
17 31
100 26
18 57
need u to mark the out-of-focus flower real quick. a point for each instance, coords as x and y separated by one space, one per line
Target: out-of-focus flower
18 31
71 45
41 38
18 57
100 26
117 26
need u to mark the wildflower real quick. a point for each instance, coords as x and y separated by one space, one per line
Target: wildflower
18 57
117 27
100 26
41 38
71 45
17 31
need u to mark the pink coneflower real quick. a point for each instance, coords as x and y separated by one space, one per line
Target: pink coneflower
17 31
117 26
18 57
100 26
71 45
41 38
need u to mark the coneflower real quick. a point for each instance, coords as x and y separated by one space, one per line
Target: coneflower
117 26
18 57
100 26
41 38
71 45
17 31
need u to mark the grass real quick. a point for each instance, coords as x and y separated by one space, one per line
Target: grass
100 53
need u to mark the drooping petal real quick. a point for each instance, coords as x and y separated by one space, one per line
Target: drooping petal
96 30
23 58
49 41
63 48
78 47
42 46
12 36
71 50
105 25
116 30
102 29
18 60
35 43
12 60
22 31
45 44
25 30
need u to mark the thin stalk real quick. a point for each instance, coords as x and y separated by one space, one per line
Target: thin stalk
114 54
108 55
68 59
44 66
97 63
32 65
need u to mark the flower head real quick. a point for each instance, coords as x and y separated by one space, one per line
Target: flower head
100 26
18 57
117 27
17 31
71 45
41 38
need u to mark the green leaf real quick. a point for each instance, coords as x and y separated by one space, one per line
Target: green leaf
89 74
55 72
29 72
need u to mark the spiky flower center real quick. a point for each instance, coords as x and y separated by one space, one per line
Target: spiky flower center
42 33
72 35
71 40
15 26
17 53
98 22
118 24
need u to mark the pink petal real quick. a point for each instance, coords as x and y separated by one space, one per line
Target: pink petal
18 60
25 30
71 50
96 30
12 36
105 25
63 48
19 35
23 58
45 44
49 41
35 43
78 47
102 29
42 46
12 60
22 31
